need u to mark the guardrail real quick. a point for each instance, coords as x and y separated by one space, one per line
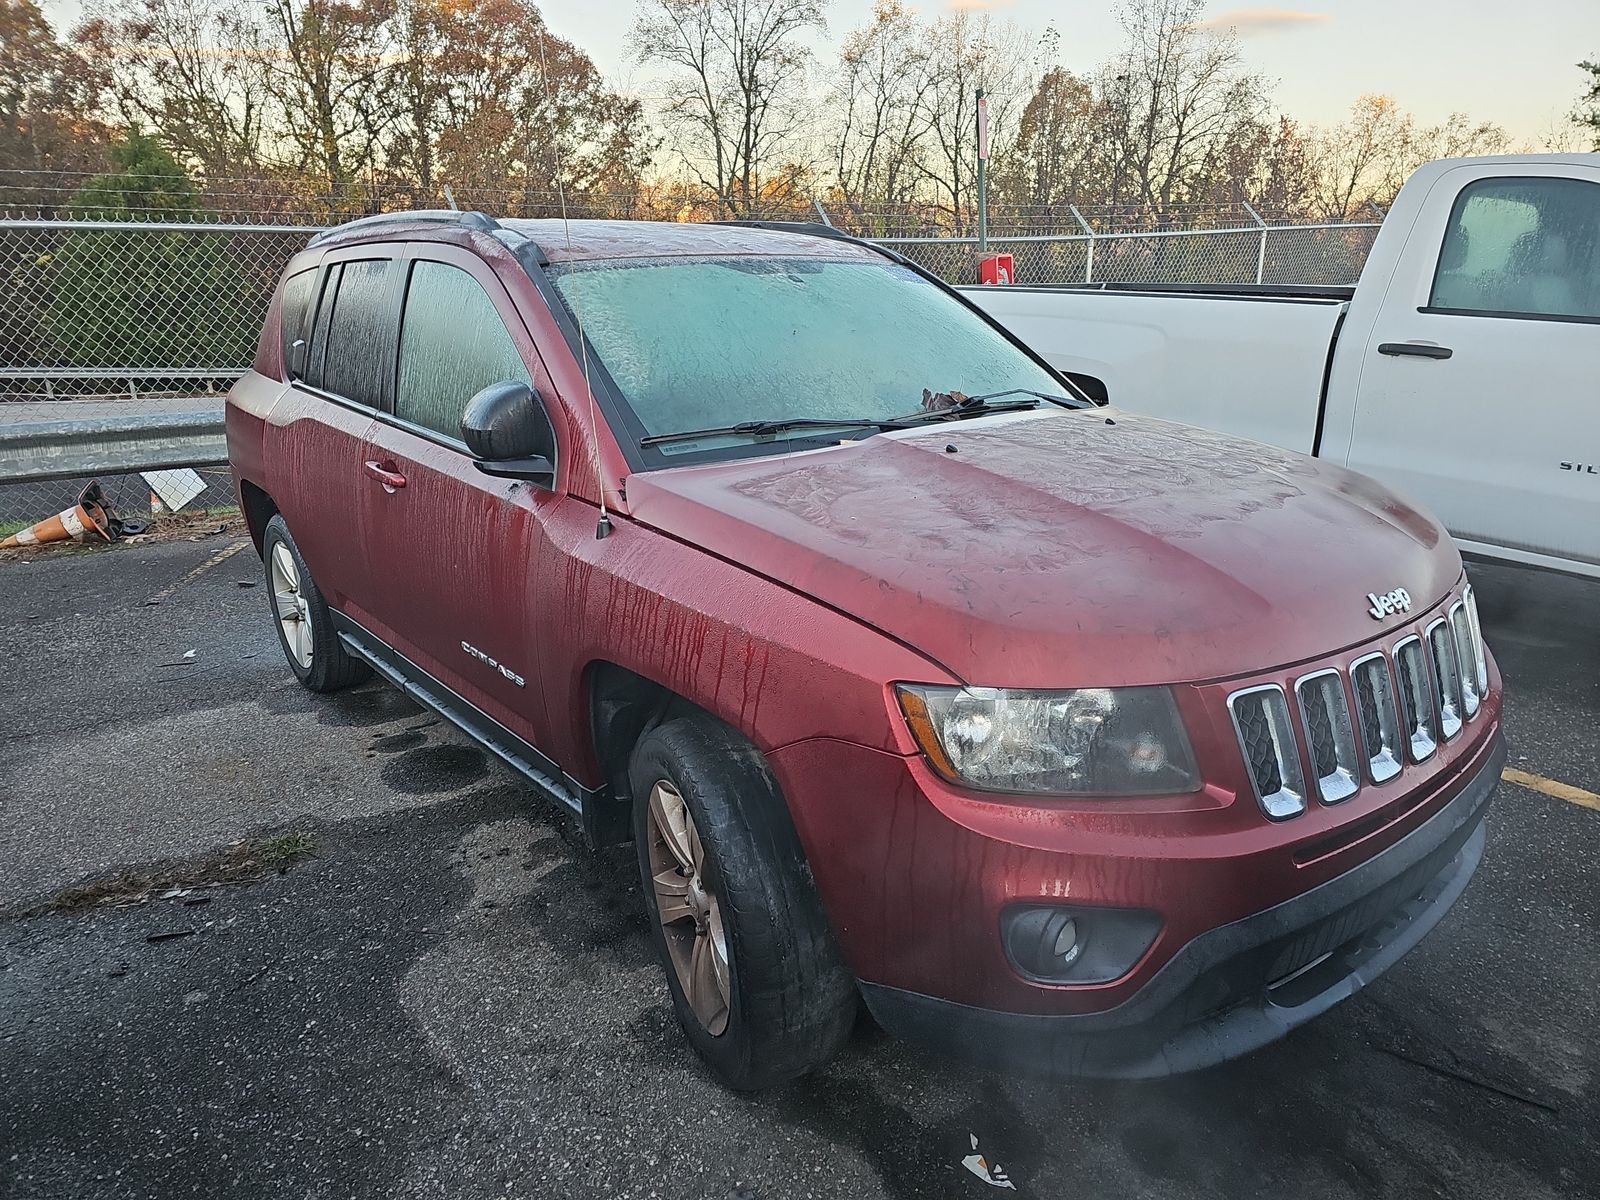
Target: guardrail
47 448
127 379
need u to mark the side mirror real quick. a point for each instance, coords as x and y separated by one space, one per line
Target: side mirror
508 431
297 359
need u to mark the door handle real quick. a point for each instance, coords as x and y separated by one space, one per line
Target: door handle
391 479
1414 349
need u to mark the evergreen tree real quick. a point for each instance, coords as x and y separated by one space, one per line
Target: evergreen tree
154 298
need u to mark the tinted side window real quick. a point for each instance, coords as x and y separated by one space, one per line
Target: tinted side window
319 322
1522 246
452 345
292 319
360 334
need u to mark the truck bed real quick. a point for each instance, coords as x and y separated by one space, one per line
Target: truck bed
1246 360
1216 291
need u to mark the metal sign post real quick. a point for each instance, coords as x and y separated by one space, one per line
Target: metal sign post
983 173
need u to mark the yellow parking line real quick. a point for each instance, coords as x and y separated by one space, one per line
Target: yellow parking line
1553 787
220 556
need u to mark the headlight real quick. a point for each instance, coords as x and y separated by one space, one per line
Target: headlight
1088 741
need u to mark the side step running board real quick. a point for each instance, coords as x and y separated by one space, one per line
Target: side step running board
411 679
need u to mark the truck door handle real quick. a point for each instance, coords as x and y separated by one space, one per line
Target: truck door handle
1415 349
386 475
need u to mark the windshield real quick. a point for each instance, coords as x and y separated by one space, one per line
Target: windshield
695 343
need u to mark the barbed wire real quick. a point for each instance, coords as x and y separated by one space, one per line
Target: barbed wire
34 195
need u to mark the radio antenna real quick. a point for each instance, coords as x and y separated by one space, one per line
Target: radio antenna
602 527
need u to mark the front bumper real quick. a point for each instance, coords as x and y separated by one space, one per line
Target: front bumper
1239 986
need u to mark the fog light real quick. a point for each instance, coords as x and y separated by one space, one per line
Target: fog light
1053 944
1067 947
1044 942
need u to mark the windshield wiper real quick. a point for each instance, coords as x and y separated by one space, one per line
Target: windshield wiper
972 406
1063 401
978 406
758 429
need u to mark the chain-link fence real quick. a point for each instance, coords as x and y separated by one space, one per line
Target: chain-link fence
130 309
134 313
1325 255
119 317
132 495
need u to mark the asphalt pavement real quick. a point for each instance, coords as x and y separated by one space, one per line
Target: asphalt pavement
454 997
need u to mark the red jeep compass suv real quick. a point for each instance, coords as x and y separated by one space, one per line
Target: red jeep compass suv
1065 737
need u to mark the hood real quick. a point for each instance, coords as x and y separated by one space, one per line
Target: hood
1054 548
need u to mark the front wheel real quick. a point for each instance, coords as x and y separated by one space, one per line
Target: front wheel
305 629
751 963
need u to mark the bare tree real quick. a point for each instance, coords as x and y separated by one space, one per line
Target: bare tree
1362 162
330 68
739 81
1586 116
422 33
1350 157
967 52
882 120
1458 136
188 69
1178 103
1282 184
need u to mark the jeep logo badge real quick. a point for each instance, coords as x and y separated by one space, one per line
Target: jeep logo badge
1386 605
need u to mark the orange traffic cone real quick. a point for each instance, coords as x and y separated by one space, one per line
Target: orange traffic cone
71 524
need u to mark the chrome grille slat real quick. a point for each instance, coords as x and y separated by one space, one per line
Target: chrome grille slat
1480 654
1466 654
1373 686
1330 739
1401 705
1271 752
1446 677
1416 698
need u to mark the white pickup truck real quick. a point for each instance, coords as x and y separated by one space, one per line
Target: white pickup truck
1463 368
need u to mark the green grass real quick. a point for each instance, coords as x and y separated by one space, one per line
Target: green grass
286 848
242 862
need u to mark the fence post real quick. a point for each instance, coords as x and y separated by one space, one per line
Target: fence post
1088 266
1261 252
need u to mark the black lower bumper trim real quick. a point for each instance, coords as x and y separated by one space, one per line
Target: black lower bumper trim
1236 988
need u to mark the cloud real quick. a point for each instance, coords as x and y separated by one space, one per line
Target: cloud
1251 21
976 5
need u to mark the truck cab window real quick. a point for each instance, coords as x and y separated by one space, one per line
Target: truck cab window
452 344
1524 246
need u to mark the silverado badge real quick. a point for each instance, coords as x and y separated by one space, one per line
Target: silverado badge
1386 605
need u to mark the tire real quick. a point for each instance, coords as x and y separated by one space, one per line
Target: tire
300 615
789 1003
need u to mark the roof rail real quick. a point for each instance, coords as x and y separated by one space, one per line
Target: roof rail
429 216
818 229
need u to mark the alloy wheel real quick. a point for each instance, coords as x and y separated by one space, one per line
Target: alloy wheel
290 606
690 914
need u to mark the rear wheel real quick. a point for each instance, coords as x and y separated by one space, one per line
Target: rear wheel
751 963
305 628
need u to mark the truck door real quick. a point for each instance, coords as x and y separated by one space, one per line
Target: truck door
1479 385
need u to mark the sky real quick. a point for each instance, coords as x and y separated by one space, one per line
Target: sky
1509 63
